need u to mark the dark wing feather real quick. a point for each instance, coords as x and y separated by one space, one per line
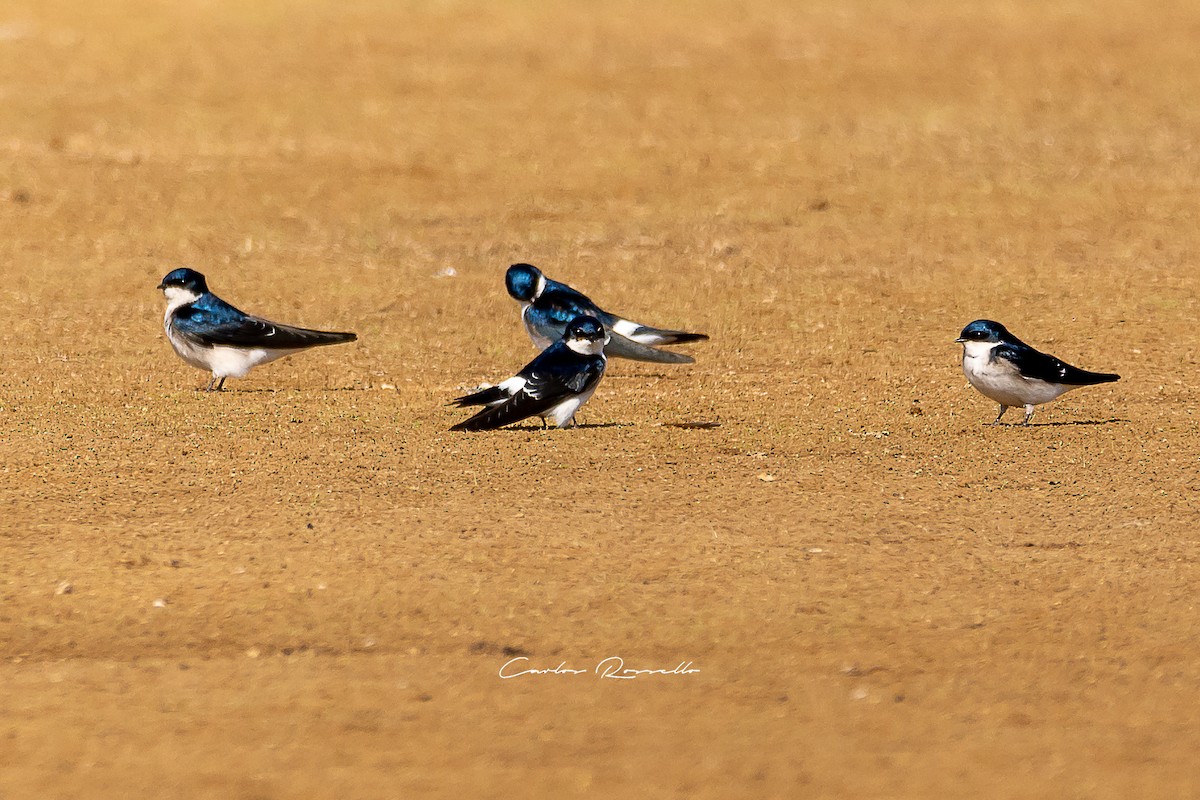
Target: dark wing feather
211 321
518 407
621 347
485 397
1044 367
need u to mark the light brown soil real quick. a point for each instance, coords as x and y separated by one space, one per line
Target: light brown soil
883 596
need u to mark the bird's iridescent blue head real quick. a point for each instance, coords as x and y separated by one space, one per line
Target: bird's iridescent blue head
586 336
184 279
984 330
525 282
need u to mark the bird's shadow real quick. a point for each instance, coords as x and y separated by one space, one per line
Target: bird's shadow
641 377
1072 423
202 390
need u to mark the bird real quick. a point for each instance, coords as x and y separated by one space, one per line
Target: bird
212 335
553 386
547 306
1012 373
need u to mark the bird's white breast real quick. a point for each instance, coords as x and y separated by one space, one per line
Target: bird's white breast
196 355
1000 379
193 354
562 414
234 362
177 296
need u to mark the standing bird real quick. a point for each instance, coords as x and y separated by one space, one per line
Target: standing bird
1013 374
553 386
547 306
212 335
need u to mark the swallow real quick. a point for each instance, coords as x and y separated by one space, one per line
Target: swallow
212 335
547 306
1012 373
553 386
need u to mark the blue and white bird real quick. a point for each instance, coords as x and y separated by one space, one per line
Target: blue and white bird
1012 373
553 386
212 335
547 306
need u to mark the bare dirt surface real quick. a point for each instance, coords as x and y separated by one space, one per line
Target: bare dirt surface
306 587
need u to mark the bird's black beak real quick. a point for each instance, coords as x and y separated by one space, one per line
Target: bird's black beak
161 286
960 340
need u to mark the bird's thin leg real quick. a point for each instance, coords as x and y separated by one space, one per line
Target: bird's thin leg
209 388
1028 413
1003 408
221 385
544 425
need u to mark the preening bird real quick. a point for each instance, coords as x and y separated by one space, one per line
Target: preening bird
548 306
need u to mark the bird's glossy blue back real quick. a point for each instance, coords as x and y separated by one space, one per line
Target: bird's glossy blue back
562 304
211 310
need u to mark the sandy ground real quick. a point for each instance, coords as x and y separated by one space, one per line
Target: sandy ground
306 587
